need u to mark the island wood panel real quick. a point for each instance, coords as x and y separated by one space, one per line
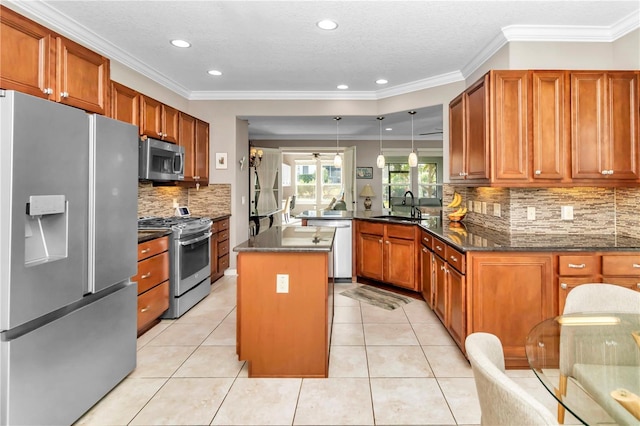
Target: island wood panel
510 294
283 334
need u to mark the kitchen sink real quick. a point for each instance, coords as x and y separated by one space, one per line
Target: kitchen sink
397 218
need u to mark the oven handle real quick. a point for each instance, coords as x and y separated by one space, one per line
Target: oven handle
195 240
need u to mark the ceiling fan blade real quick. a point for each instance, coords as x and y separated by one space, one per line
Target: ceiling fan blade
431 133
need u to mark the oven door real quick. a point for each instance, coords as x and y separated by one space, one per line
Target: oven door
194 261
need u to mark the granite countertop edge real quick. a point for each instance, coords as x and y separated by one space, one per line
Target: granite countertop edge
271 241
470 237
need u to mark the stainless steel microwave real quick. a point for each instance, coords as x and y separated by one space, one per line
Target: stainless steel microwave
160 161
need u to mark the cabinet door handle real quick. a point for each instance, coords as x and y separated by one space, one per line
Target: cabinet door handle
144 251
424 249
386 242
575 266
425 239
164 135
380 241
47 91
145 309
455 259
438 248
638 285
147 275
635 265
64 94
607 172
538 172
563 286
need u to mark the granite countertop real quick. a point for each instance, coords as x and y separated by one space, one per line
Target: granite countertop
148 235
467 237
290 239
219 216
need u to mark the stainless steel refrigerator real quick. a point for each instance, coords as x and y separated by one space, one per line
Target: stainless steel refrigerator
68 247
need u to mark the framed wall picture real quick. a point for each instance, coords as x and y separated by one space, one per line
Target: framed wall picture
221 160
364 172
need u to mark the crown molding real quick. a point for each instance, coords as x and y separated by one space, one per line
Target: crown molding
485 54
426 83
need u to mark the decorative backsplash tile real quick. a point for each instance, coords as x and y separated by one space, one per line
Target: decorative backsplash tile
595 210
212 200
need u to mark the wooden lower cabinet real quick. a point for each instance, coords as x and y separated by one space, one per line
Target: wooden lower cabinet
387 252
456 306
440 293
153 282
509 294
427 268
219 248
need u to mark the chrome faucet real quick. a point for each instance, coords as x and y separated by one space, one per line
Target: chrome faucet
414 211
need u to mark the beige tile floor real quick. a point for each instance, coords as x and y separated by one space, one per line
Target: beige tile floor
395 367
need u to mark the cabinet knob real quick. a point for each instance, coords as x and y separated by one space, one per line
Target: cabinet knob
47 91
386 242
438 248
563 286
575 266
455 259
164 135
638 285
424 249
64 94
538 172
147 275
442 268
160 134
380 241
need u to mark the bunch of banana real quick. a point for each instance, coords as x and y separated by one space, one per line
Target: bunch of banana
456 201
460 212
456 239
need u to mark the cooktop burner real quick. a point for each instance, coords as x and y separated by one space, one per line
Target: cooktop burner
179 225
164 221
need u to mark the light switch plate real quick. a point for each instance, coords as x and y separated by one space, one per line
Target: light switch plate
531 213
566 212
282 283
484 207
496 210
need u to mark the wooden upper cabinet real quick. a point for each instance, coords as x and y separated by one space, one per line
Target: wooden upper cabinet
457 149
82 77
187 139
202 151
477 130
549 125
169 124
125 104
27 56
604 124
150 117
510 97
39 62
157 120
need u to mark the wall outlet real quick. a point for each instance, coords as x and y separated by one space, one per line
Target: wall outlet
282 283
531 213
484 207
175 203
496 210
477 207
470 205
566 212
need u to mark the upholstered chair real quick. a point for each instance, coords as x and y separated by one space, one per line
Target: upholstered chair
502 401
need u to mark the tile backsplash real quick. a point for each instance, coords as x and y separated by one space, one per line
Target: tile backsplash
212 200
595 210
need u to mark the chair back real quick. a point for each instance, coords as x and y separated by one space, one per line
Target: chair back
502 401
600 297
292 203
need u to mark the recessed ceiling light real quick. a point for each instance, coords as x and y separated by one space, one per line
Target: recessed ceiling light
381 81
343 86
388 129
180 43
214 72
327 24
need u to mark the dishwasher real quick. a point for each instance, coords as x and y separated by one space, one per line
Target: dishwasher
340 260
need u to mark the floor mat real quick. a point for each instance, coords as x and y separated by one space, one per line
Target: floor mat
377 297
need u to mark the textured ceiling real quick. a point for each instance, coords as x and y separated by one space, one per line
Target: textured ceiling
273 49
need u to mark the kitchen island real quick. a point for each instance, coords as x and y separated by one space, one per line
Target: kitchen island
285 302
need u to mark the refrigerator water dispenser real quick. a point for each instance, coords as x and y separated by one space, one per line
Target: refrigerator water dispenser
46 229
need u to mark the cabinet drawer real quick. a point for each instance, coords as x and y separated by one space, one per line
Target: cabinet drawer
153 247
223 224
223 235
223 248
438 247
627 265
455 258
632 283
152 304
578 265
223 263
426 239
405 232
215 227
152 271
371 228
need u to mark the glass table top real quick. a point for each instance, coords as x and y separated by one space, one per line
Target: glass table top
591 364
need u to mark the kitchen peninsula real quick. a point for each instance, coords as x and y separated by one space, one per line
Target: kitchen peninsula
285 302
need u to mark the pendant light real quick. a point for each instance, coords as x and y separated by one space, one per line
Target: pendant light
413 157
380 160
337 160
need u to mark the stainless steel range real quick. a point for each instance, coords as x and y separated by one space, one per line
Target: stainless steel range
190 260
